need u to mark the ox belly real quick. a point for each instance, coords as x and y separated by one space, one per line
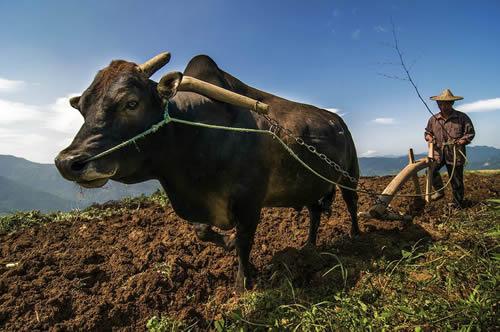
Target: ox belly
220 214
294 189
210 208
292 185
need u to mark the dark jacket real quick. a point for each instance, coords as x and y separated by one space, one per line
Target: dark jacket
457 126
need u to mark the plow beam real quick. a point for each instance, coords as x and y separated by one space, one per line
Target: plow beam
410 171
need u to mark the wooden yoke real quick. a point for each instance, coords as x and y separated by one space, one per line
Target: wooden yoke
192 84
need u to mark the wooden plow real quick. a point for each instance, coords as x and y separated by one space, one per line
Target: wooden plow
380 209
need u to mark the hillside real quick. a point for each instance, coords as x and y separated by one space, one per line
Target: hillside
126 265
45 178
480 157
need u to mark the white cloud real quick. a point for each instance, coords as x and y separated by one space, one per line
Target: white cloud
485 105
64 118
10 85
379 28
37 132
336 111
13 112
384 121
356 34
368 153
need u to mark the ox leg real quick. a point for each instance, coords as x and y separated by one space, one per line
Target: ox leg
205 233
351 200
245 232
327 201
314 220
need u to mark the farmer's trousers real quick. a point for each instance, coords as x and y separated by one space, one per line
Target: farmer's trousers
457 181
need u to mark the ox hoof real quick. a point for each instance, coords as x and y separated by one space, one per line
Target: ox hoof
355 234
309 246
243 284
229 242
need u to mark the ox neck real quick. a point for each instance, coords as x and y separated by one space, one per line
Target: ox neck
165 143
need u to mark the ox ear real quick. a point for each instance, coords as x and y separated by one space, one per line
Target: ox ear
75 102
167 87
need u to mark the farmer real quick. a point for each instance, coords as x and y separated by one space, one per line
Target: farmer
449 127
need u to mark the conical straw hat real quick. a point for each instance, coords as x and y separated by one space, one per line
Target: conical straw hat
446 95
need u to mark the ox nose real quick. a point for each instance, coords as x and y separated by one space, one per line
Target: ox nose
70 166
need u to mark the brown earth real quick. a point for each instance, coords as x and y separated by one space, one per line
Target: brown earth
116 272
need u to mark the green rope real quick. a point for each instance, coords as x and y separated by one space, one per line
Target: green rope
133 140
168 119
309 168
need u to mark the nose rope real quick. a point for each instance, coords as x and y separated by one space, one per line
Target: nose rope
154 128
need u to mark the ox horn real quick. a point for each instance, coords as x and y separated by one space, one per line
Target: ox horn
154 64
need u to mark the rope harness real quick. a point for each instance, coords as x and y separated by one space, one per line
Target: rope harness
167 119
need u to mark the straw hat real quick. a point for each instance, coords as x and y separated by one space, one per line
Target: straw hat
446 95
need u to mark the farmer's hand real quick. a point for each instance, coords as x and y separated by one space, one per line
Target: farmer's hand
462 141
429 138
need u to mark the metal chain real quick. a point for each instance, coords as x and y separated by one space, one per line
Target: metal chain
275 128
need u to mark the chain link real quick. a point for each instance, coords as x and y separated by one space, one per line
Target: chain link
311 148
275 127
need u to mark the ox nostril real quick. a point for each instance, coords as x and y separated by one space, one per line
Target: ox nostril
71 166
77 166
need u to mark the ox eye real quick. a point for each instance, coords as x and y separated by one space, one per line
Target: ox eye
131 105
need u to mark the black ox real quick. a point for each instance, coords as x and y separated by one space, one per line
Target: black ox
212 177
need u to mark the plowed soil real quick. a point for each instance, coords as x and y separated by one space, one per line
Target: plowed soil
114 273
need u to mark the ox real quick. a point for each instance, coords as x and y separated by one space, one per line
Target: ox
211 177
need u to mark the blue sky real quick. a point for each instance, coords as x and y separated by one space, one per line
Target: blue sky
327 53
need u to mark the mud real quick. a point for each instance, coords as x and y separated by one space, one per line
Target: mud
117 272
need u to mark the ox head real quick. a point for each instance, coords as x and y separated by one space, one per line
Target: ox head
120 103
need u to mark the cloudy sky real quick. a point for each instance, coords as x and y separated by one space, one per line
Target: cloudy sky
333 54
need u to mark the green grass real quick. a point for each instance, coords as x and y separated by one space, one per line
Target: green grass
164 324
449 284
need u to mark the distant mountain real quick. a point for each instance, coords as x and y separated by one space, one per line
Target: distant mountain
483 157
25 185
480 157
44 179
15 197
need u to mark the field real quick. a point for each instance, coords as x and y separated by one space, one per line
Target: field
134 265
